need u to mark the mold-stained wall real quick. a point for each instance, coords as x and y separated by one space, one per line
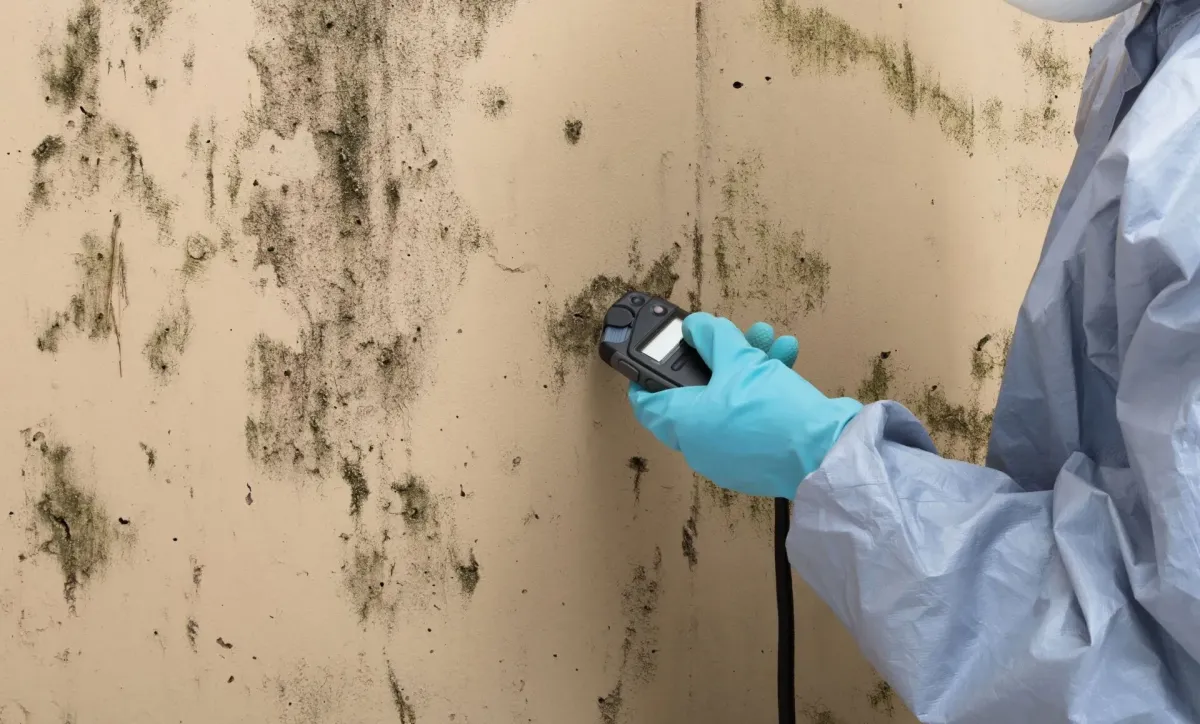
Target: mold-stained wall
303 421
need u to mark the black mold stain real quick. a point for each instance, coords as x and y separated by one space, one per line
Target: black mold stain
639 655
197 574
468 574
292 428
1045 124
876 385
691 528
572 130
193 630
151 455
757 259
73 81
76 526
404 709
640 467
416 503
167 342
573 332
364 574
822 42
93 309
352 473
223 644
821 715
151 16
992 119
495 102
882 698
51 147
198 250
1036 193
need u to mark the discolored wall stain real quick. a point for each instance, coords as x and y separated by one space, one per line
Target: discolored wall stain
822 42
573 330
991 115
691 527
640 467
757 259
70 522
639 655
352 473
71 80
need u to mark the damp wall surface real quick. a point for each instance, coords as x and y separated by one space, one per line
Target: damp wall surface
302 418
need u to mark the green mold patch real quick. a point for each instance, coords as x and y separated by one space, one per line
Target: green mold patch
1037 193
760 265
1045 63
820 41
72 78
71 522
573 330
639 652
960 431
877 384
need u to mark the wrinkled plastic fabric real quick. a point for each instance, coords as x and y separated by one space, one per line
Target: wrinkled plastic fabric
1061 583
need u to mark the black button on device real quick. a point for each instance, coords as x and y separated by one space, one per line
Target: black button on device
679 363
627 369
618 317
653 386
637 300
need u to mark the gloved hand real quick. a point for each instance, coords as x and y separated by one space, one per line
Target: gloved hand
757 427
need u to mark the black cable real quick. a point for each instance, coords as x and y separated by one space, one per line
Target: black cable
786 666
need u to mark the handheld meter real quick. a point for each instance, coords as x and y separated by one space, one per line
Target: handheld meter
643 340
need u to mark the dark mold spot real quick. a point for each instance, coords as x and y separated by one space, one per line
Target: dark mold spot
73 80
198 250
352 473
123 521
496 103
574 331
876 385
152 15
403 708
50 147
151 456
573 130
610 706
468 574
193 630
822 42
416 502
166 343
992 118
77 528
640 467
691 528
223 644
738 84
363 575
882 698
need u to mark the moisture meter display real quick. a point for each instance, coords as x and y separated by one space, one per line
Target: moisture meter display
643 340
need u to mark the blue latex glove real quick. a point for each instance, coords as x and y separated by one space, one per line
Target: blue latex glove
757 427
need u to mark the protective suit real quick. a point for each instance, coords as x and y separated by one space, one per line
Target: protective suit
1061 582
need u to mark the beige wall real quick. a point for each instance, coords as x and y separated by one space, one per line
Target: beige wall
302 419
